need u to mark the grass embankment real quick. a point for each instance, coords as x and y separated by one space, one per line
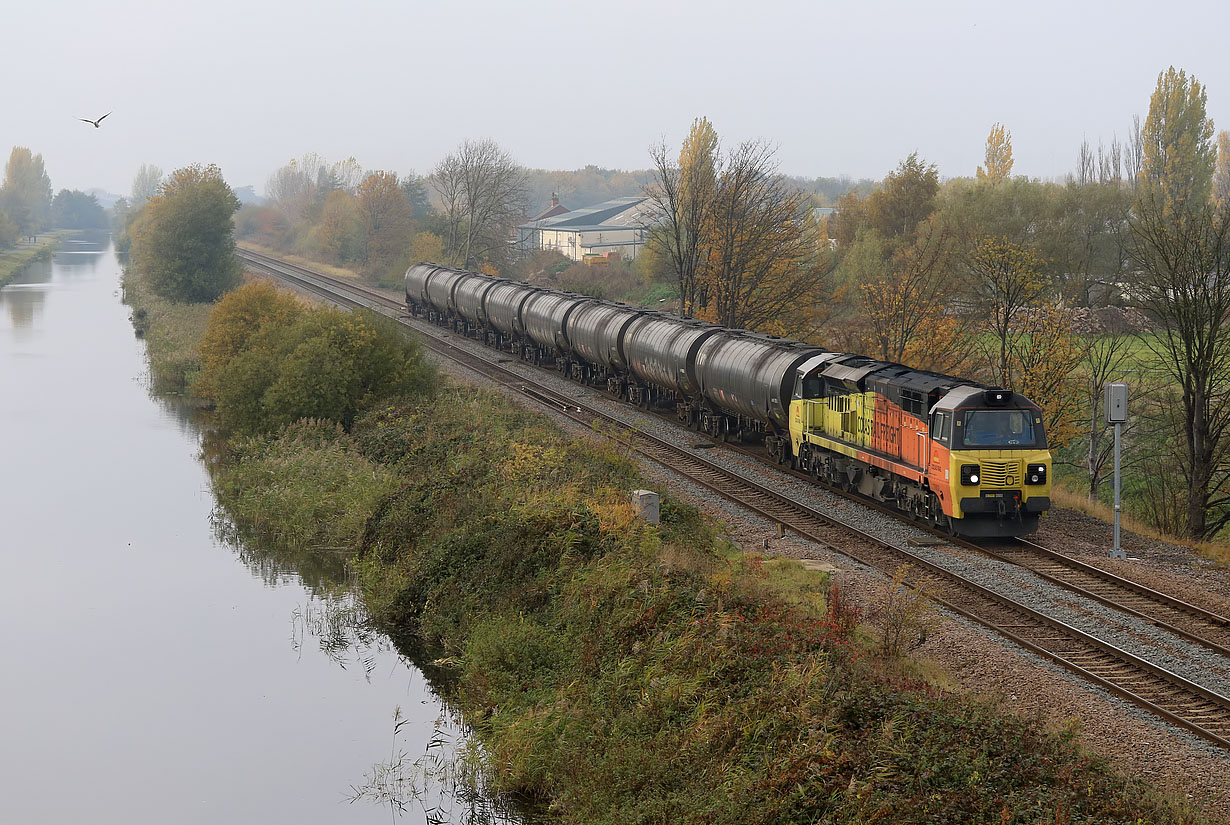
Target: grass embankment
172 331
14 261
619 671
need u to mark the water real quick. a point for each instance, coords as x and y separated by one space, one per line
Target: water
151 673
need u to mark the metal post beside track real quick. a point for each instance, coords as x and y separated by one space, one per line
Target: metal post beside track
1116 413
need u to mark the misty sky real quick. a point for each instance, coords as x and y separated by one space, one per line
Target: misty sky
842 88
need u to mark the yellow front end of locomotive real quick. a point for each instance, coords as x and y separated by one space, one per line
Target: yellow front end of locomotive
1000 482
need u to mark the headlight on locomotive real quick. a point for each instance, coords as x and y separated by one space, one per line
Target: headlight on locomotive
970 474
1035 474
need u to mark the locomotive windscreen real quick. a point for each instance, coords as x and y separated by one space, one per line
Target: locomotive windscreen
1000 428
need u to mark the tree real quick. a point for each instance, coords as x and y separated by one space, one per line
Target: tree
145 184
681 197
385 217
1006 279
763 252
239 317
77 210
8 232
338 233
26 194
998 156
843 224
1104 358
428 247
483 191
1083 233
184 239
905 200
268 361
1221 178
1044 356
907 301
414 187
1179 156
1183 282
1181 248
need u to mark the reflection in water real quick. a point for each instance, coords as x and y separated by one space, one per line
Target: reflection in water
342 630
320 571
441 784
24 296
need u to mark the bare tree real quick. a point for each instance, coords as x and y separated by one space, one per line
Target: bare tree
483 191
1104 357
680 207
762 258
145 184
1134 159
1183 258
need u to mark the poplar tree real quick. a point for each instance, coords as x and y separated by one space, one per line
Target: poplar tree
26 194
1221 178
1177 167
998 155
1182 254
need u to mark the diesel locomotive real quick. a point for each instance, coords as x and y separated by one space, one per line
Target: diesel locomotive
970 459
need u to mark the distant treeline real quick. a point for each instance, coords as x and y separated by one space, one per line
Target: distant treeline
590 185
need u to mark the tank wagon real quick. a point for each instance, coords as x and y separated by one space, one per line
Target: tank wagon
966 457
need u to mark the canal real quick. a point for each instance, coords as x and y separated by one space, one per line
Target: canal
154 671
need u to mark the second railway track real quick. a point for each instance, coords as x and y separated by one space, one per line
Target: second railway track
1170 696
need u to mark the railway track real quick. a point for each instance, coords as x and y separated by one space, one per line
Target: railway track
1166 694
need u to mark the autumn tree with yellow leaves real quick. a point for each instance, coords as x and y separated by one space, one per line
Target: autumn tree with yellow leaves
1221 178
1179 156
386 218
681 197
905 307
998 155
1005 279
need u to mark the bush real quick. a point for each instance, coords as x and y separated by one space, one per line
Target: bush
267 362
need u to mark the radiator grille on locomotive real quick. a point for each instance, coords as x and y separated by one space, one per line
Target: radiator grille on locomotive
1001 473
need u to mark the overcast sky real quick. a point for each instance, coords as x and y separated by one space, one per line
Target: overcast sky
841 87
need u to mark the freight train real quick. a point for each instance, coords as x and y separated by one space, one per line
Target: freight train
964 457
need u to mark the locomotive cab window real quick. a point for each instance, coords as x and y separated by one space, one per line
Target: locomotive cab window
1001 428
941 426
809 387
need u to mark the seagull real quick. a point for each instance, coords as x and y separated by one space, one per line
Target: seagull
95 122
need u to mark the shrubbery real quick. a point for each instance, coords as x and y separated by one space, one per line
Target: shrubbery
268 361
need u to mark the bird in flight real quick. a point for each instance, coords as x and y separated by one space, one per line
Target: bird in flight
95 122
